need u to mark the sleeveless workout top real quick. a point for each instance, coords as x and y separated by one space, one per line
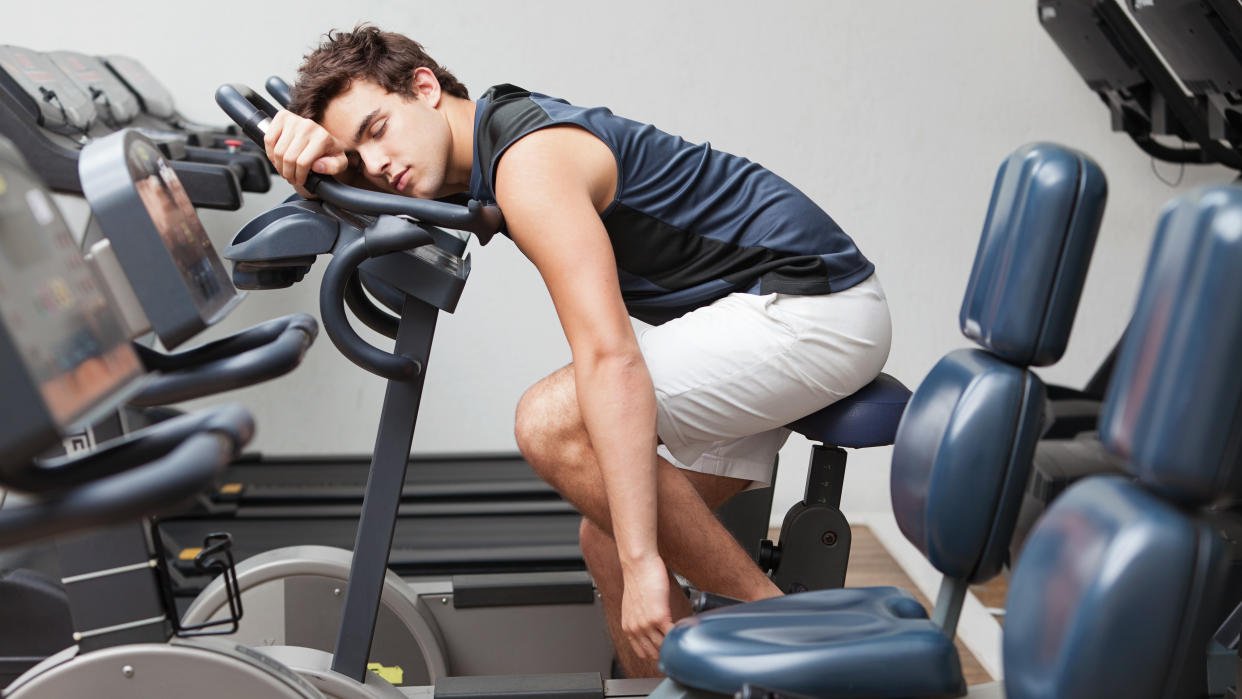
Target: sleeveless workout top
688 224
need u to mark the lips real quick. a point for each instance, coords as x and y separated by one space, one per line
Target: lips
399 182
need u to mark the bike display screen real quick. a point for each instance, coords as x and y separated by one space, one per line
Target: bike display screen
53 307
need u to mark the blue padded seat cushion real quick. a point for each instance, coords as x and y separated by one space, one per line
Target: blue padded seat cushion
962 460
1033 254
865 418
1110 588
845 643
1174 405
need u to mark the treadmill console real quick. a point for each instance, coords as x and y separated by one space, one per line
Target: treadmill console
154 97
62 107
156 235
63 352
114 103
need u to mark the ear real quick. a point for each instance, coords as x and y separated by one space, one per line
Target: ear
426 85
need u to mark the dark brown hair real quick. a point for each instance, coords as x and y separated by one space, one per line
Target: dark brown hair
387 59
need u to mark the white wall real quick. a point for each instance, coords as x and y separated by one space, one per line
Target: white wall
892 114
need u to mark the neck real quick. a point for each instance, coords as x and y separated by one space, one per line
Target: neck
460 115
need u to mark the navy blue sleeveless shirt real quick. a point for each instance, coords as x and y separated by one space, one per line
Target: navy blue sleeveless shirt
688 224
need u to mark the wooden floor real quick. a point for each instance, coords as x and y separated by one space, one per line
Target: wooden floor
871 564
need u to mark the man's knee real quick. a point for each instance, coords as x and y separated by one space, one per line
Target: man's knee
546 423
592 539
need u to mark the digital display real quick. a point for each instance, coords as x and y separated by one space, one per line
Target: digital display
182 232
53 307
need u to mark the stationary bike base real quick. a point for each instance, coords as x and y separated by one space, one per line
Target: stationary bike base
199 668
293 597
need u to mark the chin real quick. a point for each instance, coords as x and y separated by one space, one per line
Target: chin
423 192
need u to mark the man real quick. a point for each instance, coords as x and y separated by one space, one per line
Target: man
764 310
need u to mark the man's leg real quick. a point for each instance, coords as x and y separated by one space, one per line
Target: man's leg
552 437
600 551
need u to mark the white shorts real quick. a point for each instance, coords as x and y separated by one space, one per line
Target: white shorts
730 375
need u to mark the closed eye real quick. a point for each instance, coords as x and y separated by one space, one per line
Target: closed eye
383 126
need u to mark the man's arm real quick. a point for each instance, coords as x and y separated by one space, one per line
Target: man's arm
297 146
551 186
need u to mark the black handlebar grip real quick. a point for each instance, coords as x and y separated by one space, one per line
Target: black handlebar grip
279 90
254 114
261 353
247 108
144 490
119 455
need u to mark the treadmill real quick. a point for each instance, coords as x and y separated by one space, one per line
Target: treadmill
160 112
50 119
118 107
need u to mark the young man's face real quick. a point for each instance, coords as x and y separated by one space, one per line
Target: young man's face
402 143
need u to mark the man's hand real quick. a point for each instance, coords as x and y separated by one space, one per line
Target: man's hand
297 146
645 614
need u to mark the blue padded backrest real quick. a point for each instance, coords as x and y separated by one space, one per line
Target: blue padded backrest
1173 406
1032 258
1115 595
962 459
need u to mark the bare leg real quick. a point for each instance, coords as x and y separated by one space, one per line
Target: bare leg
692 541
600 552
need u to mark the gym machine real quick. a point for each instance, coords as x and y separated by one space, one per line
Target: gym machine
50 119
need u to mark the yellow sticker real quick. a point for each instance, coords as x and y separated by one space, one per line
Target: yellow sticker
230 488
189 554
61 293
392 675
4 186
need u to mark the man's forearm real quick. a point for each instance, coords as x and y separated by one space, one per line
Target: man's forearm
618 406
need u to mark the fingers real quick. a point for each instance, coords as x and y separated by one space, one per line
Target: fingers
288 147
646 630
274 131
647 643
296 146
331 164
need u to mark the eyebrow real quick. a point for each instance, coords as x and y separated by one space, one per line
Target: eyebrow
365 123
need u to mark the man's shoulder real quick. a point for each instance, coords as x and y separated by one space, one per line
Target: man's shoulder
511 114
504 92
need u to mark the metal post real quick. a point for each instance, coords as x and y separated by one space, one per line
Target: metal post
383 495
949 604
826 476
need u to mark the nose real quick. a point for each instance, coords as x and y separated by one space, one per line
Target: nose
374 160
